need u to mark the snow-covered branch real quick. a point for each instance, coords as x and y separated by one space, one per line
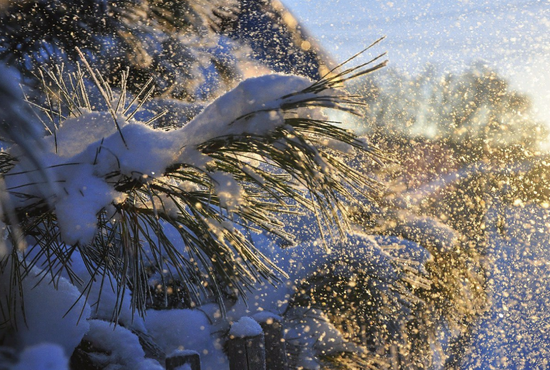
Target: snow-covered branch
120 187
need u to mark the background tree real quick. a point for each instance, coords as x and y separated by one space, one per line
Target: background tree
474 113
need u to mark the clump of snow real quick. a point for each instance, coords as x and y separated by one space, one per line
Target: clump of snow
144 151
47 318
121 346
45 356
266 316
228 115
245 327
77 133
308 329
101 298
228 190
77 208
188 330
338 146
183 352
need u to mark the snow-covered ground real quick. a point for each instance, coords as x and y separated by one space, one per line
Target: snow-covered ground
514 333
512 37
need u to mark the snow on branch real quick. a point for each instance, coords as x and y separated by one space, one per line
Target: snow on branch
121 188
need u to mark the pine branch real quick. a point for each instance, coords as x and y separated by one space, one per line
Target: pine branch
295 170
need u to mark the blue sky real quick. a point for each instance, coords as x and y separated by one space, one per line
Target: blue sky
512 37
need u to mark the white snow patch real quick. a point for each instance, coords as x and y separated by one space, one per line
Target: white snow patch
266 316
102 299
45 356
229 114
228 190
245 327
338 146
47 317
190 330
255 176
76 133
122 347
77 208
183 352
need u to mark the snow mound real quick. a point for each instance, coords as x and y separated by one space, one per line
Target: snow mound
121 346
245 327
47 318
45 356
186 330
